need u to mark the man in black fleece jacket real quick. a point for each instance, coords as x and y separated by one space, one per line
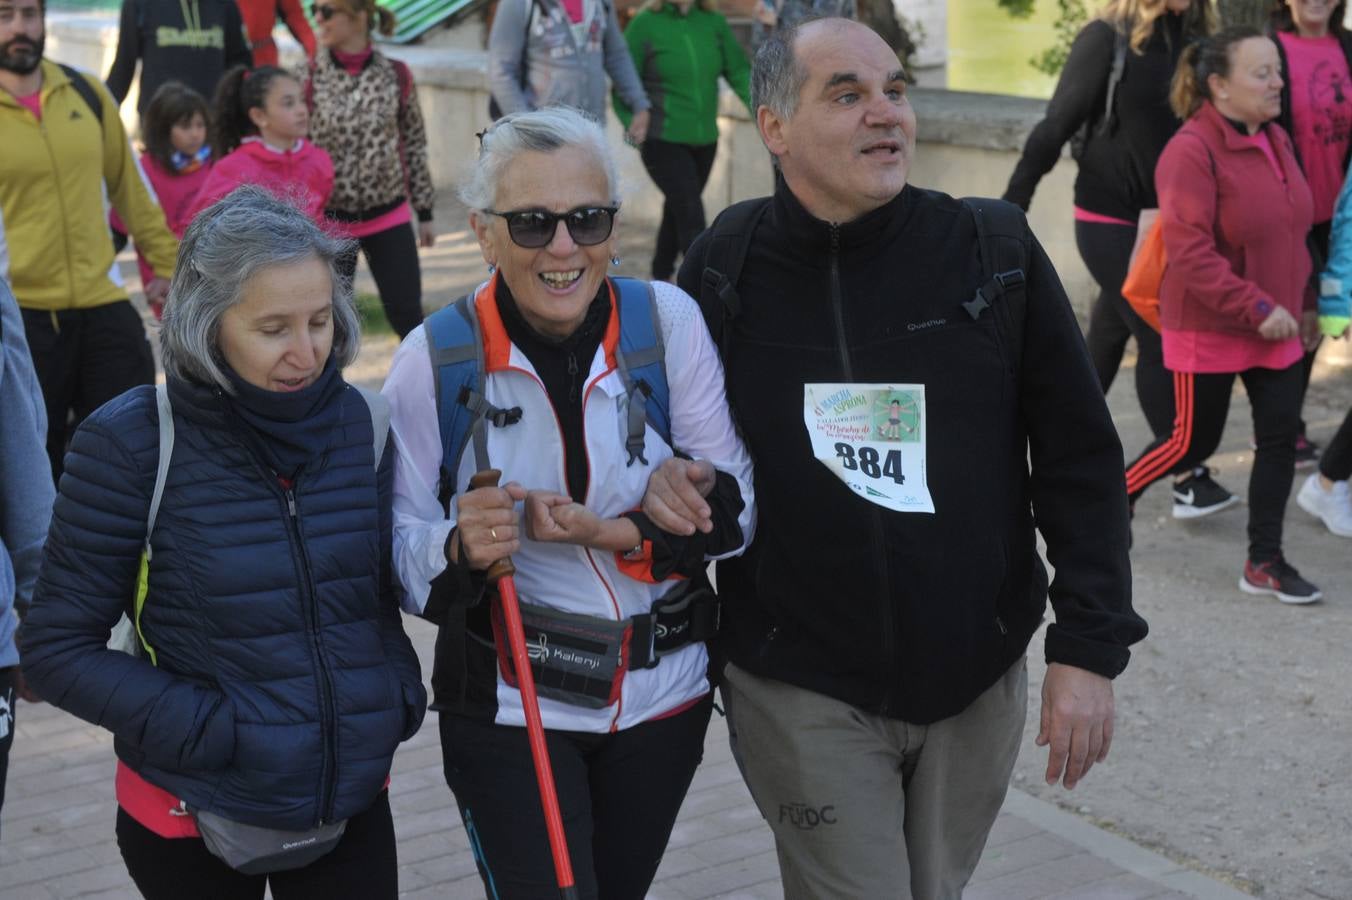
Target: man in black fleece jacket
192 41
877 628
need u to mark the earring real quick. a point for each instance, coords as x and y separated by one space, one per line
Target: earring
492 268
615 260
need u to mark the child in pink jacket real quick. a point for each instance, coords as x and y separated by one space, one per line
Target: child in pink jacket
261 129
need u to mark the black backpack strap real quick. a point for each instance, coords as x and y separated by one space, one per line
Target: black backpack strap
1108 122
85 90
1002 236
729 241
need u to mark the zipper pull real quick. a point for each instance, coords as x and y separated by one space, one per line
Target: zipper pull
291 502
572 374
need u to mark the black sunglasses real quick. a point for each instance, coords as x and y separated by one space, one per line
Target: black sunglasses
323 12
535 228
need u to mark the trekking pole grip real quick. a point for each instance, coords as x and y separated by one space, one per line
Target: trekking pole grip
503 567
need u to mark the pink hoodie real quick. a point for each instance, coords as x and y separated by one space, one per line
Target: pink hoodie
303 174
177 196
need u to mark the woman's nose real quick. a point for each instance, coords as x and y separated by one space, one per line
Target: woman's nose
562 243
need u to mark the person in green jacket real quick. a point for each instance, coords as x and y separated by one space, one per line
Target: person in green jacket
680 48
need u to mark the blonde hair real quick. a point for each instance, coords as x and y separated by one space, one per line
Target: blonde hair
1136 19
1207 57
655 5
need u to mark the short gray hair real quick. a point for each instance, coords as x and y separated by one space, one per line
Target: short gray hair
777 78
226 245
539 131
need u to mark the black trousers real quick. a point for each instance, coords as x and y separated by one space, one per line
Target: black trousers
8 699
362 867
83 359
1203 403
392 257
619 794
1106 251
680 172
1336 463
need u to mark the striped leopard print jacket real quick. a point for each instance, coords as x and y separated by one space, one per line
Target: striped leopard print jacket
371 126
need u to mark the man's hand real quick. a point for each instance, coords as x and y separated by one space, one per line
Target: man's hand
1310 335
674 500
427 234
558 518
1279 326
1077 721
156 290
486 527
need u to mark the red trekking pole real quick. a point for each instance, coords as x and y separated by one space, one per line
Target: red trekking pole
500 574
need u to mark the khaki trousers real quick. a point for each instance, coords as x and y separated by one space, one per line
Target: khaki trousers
863 806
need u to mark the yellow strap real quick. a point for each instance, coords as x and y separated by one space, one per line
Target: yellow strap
142 586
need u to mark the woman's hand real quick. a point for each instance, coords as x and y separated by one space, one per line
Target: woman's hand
486 528
553 518
427 234
1280 325
638 129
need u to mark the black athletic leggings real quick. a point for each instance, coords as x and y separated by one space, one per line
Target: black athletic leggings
363 866
1336 463
1106 251
392 257
680 172
1203 403
619 794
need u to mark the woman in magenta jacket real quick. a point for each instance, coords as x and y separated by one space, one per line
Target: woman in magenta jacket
1234 212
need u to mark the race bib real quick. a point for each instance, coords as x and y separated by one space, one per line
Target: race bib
872 436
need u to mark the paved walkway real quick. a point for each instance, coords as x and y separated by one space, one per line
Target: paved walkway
58 814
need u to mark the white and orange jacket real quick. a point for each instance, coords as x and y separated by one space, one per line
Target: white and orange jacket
566 577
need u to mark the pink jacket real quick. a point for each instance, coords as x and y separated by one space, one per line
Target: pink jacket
177 195
1234 234
303 174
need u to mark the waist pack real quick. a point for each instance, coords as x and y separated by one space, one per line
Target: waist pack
582 660
251 849
254 850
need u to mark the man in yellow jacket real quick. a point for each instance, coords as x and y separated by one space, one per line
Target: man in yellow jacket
63 146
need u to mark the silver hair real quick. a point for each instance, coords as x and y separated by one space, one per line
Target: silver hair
539 131
226 245
777 77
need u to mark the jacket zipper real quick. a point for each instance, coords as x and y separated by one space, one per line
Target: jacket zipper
875 517
694 68
65 227
329 719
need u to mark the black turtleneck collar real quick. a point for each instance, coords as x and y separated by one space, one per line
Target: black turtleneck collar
809 232
563 366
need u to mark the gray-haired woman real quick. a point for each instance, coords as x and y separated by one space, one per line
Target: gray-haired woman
273 679
584 405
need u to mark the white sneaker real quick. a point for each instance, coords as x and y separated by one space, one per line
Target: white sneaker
1333 507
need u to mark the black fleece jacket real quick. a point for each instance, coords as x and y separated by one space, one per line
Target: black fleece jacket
913 615
192 41
1117 170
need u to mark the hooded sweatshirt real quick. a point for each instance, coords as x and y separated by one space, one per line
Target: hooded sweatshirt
303 174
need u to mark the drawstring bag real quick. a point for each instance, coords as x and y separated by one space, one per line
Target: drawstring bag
1142 285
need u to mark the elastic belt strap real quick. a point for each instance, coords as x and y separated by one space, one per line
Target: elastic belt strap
690 618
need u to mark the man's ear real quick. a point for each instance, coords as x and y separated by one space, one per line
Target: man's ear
771 129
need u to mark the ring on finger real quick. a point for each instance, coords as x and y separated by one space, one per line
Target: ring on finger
493 533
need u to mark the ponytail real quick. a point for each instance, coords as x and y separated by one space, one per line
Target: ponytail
385 20
240 90
1200 60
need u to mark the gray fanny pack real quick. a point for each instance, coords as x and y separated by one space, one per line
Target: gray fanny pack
253 850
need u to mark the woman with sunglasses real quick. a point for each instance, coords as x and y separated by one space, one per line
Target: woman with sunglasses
557 372
364 112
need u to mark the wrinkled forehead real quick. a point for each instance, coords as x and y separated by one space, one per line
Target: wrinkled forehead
834 51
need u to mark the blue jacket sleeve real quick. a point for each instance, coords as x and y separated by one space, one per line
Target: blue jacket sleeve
1335 282
88 578
398 648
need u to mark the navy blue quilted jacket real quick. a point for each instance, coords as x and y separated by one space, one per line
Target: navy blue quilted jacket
285 680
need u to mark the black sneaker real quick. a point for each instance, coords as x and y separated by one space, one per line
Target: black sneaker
1279 579
1198 495
1307 453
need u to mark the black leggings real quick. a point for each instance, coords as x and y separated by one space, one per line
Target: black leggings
363 866
1336 463
1203 403
392 257
619 794
680 172
1106 251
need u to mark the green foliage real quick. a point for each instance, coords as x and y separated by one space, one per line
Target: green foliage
1017 9
372 315
1071 16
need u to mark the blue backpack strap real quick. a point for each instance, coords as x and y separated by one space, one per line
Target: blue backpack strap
456 349
641 360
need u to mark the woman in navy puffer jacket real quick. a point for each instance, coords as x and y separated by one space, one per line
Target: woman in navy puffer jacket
275 679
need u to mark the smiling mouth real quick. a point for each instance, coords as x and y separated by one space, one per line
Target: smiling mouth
561 280
293 384
883 148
